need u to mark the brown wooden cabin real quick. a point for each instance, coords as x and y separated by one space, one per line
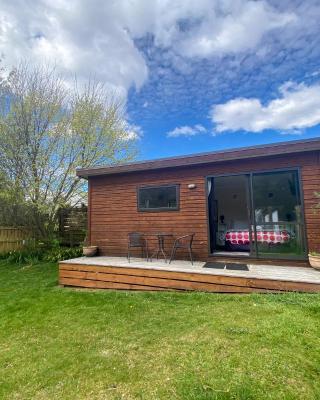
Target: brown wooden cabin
258 202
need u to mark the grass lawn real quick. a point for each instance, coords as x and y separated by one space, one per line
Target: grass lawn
60 343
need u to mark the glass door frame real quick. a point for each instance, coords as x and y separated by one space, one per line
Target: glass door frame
251 217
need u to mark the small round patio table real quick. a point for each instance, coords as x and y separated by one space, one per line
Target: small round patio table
161 238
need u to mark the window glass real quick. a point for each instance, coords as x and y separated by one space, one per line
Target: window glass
276 197
278 214
158 198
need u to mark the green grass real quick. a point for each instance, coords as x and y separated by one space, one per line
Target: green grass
60 343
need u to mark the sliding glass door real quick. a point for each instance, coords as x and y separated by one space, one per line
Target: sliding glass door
277 213
257 214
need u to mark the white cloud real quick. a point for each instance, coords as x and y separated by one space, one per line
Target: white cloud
187 131
239 27
297 107
86 38
97 38
134 132
205 27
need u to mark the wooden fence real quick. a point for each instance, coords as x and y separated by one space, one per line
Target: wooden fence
13 238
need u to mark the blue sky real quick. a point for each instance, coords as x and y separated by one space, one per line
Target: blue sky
195 76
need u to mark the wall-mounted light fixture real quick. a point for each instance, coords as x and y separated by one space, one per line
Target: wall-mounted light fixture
192 186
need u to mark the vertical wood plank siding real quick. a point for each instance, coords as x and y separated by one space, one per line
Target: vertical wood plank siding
113 202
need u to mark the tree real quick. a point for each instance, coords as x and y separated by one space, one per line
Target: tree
13 210
47 129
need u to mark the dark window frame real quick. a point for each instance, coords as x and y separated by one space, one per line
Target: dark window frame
159 209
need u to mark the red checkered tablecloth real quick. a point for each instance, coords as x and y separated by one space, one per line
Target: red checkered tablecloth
242 237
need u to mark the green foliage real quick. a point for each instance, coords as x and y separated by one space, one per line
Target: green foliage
34 255
15 211
62 253
316 252
26 256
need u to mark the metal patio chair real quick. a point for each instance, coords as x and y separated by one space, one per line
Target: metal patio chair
137 240
183 242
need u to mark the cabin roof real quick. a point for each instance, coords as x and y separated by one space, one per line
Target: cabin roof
265 150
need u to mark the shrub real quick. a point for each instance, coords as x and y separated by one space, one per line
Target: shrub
23 256
62 253
34 255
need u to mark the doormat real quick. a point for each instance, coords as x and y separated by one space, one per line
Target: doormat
237 267
215 265
229 266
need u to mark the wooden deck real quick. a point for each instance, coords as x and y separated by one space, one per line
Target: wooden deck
118 273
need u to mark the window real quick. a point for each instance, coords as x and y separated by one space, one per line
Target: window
158 198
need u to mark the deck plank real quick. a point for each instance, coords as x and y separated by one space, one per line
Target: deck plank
85 283
164 283
153 277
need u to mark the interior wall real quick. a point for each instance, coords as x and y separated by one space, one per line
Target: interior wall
230 192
